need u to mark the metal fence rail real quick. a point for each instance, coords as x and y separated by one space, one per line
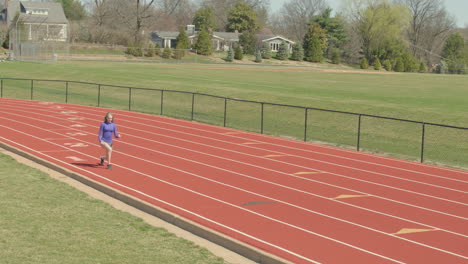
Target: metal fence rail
407 139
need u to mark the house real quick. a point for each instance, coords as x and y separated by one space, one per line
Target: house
39 21
221 40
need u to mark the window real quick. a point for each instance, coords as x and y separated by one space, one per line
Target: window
37 11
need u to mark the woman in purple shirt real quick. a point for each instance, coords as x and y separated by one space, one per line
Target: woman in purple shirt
105 138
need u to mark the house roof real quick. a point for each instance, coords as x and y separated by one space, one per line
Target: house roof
265 38
55 12
227 36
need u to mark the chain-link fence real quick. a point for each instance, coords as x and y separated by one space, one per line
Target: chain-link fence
406 139
32 39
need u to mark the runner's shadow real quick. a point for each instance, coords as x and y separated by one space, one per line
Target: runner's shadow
89 165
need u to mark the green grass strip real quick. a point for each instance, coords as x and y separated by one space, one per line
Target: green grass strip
45 221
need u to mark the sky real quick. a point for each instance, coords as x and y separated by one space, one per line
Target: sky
457 8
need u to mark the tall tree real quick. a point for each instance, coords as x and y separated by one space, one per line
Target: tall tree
334 28
315 43
454 53
292 18
204 19
248 41
203 44
221 16
429 24
73 9
379 23
242 17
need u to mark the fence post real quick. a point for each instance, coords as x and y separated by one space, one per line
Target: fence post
32 88
261 125
225 111
193 103
422 141
359 133
99 95
66 92
129 99
305 125
162 101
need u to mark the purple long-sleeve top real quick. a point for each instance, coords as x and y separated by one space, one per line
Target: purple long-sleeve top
105 132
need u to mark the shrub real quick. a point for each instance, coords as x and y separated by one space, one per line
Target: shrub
238 55
377 65
167 53
150 51
399 65
387 65
258 56
230 57
336 57
364 63
283 52
297 52
422 67
266 51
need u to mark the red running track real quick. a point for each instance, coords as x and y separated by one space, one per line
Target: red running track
302 202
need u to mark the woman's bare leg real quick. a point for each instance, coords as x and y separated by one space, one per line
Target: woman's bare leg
108 151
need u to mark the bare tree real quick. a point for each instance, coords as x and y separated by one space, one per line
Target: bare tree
429 25
136 14
293 17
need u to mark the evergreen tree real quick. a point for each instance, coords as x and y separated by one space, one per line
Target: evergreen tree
258 56
336 58
204 45
6 42
266 51
283 51
387 65
410 62
297 52
182 40
238 55
453 52
364 63
183 44
422 67
334 28
399 65
230 56
157 50
242 17
167 53
248 41
73 9
204 19
377 64
131 50
315 42
150 50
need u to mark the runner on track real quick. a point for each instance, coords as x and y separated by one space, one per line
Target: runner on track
106 130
